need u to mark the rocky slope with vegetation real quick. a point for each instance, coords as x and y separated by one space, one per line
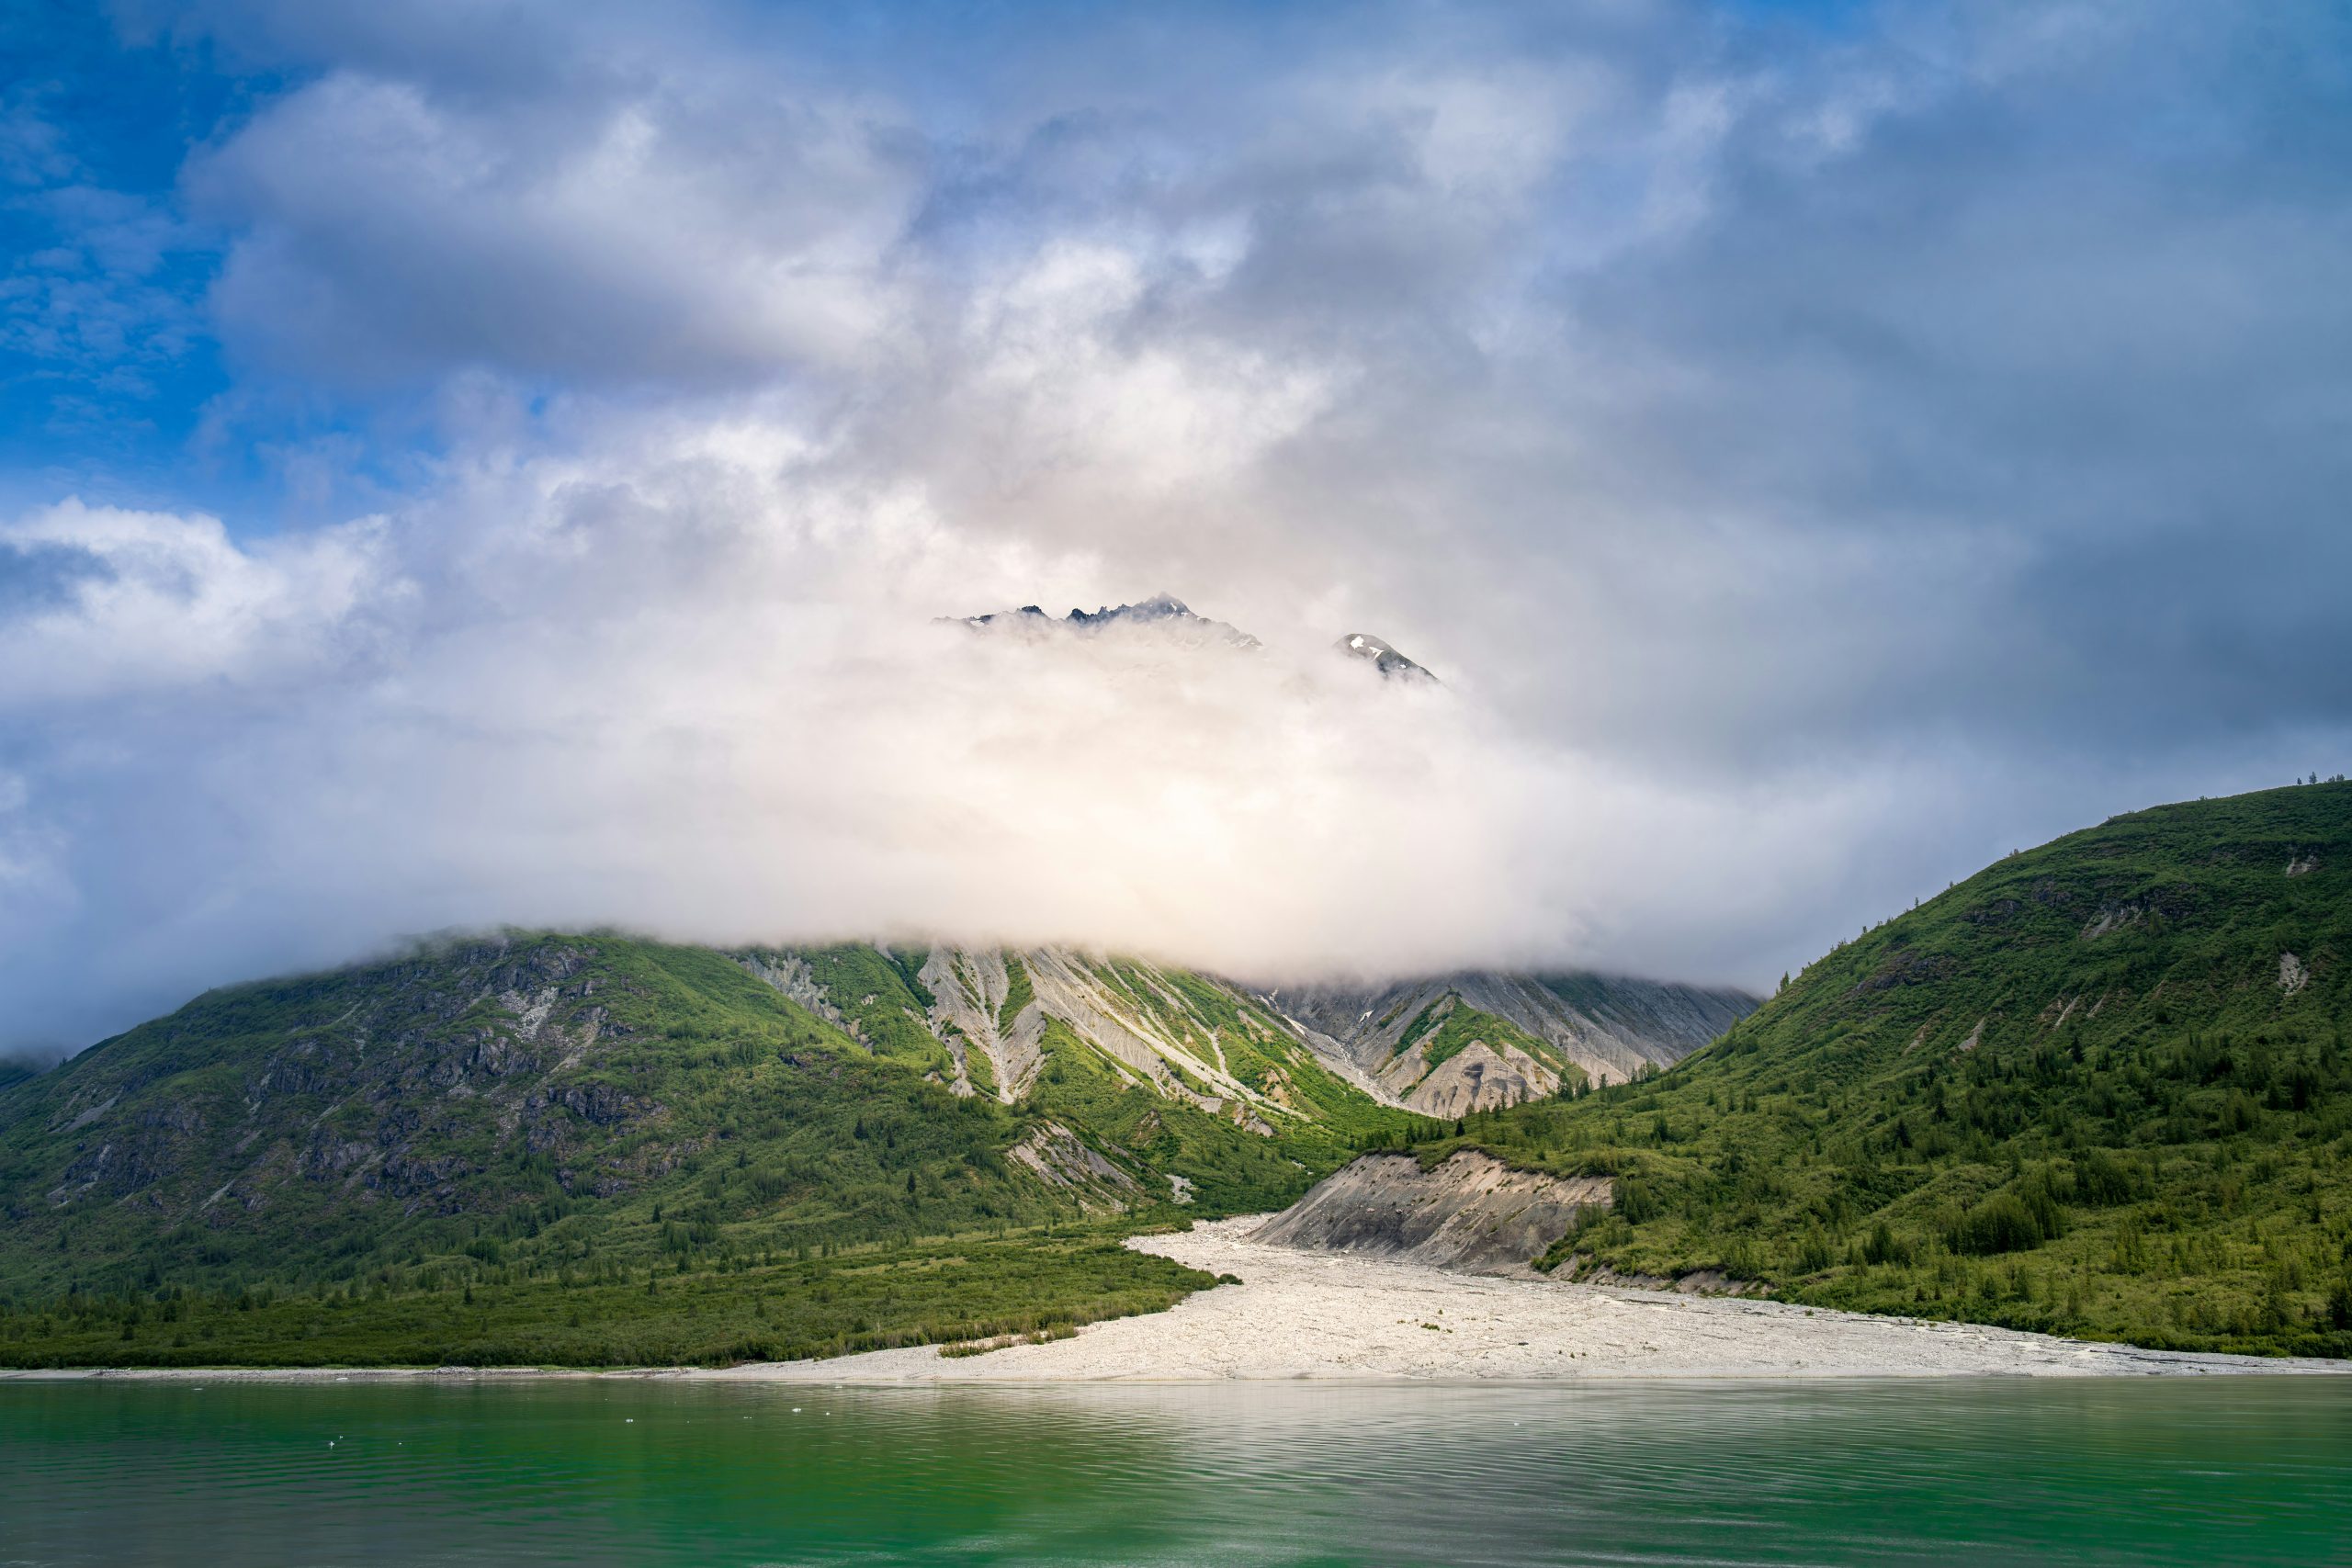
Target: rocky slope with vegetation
523 1119
2101 1088
1528 1035
526 1124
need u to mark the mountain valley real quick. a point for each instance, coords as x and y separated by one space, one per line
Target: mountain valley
2100 1088
495 1111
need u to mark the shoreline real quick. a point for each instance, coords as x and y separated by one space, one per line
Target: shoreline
1341 1318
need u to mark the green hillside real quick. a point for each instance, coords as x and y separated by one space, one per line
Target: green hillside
507 1123
2100 1088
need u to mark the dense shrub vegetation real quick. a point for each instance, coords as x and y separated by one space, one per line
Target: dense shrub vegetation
749 1307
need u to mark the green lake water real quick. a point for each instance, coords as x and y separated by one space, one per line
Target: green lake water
2202 1472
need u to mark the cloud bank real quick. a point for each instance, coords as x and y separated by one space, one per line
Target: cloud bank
1820 454
719 714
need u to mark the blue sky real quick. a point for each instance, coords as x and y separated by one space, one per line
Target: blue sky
1825 445
106 362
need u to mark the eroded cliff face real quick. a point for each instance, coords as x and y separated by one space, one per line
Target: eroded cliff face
1180 1035
1472 1212
970 1011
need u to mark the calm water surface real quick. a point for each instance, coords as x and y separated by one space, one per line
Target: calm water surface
2223 1472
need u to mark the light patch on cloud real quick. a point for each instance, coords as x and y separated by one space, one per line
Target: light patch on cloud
1057 355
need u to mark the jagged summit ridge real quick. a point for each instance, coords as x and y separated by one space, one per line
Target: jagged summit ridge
1163 613
1383 657
1166 617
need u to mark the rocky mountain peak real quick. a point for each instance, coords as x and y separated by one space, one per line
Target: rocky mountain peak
1166 617
1384 658
1162 615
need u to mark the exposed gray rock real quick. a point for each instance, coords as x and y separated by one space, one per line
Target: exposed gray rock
1472 1214
791 976
1059 1158
2293 976
1383 657
1131 1012
1479 1076
968 987
2115 918
1163 617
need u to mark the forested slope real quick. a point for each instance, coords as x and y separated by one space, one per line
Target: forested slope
2101 1088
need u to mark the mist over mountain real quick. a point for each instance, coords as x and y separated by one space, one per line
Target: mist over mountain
700 750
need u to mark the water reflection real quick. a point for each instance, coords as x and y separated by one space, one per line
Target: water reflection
658 1473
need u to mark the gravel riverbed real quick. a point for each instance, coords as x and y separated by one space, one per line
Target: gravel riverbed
1323 1315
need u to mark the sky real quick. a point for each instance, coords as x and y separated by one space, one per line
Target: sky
483 462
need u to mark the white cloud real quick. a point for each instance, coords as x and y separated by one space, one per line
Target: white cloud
706 698
151 600
1063 368
703 227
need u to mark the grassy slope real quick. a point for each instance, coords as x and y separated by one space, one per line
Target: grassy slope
883 1003
321 1127
756 1307
2149 1139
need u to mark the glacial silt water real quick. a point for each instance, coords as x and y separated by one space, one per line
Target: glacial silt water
2233 1471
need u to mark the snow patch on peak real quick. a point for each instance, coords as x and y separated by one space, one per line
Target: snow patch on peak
1382 657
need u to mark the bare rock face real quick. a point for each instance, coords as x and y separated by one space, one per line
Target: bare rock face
1163 617
1481 1078
2292 974
1472 1214
1136 1015
1061 1158
968 989
1382 657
